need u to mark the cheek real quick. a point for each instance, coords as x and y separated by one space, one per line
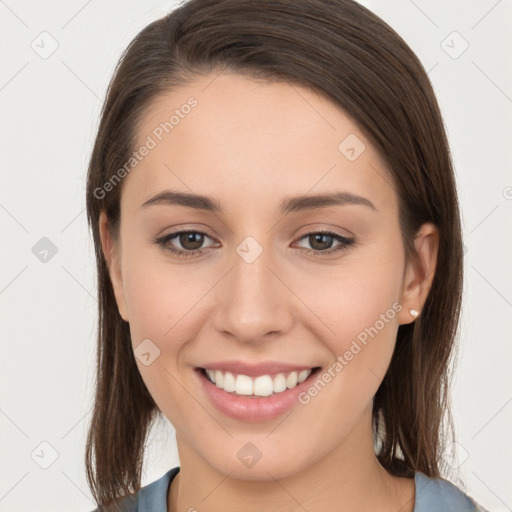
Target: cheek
160 295
358 306
358 293
166 306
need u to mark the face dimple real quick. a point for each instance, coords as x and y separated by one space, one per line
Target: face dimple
257 295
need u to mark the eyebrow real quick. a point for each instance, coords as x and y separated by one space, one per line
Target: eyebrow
287 205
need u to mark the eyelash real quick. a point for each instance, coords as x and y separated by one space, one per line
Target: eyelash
344 245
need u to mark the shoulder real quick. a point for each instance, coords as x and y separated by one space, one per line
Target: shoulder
151 497
435 494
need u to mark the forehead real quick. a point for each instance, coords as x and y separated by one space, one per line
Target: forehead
244 141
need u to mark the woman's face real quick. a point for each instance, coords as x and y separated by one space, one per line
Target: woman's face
279 278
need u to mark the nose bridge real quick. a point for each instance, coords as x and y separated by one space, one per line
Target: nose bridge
252 302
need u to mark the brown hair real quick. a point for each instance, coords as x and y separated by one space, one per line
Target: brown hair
346 53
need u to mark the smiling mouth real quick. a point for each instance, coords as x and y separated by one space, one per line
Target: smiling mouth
260 386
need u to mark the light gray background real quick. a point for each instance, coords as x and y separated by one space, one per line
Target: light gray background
49 109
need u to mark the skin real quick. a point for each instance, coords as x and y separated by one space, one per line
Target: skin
250 144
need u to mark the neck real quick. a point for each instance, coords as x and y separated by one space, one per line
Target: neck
347 478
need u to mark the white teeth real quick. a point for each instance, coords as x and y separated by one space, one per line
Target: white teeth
263 385
279 383
229 382
291 380
243 385
303 375
219 378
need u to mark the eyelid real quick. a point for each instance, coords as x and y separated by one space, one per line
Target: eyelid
185 229
333 231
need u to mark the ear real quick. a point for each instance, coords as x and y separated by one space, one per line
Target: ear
419 273
111 252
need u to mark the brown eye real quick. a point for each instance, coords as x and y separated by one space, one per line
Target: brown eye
183 243
191 240
321 243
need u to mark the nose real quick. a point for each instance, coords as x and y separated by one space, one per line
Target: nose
253 300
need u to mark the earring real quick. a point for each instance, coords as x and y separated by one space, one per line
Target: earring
413 312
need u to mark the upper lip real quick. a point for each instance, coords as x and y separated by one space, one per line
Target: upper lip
256 369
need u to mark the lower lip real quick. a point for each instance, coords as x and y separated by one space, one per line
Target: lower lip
252 408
